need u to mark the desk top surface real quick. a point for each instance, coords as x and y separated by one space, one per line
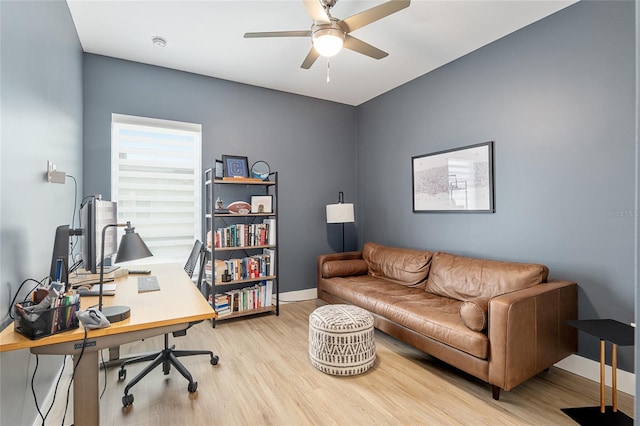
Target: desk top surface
610 330
178 301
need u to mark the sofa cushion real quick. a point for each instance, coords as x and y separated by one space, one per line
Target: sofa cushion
344 268
474 314
432 316
466 278
399 265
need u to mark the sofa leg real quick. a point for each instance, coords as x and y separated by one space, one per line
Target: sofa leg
496 392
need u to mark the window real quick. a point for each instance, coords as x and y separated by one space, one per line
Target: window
155 178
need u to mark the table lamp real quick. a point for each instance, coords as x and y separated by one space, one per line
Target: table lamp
340 213
131 248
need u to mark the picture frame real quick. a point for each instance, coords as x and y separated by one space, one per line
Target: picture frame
219 169
459 180
261 204
235 166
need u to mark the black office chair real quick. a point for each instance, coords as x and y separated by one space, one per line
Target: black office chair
169 356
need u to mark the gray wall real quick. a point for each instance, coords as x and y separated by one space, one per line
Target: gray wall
311 143
41 100
637 278
557 98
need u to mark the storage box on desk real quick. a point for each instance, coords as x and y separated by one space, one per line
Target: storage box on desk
51 321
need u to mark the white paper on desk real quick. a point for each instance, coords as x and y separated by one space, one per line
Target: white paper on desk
107 290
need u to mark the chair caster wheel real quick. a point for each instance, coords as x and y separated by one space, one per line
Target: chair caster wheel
214 360
127 400
122 374
192 387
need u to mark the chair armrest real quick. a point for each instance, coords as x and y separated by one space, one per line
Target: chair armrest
527 333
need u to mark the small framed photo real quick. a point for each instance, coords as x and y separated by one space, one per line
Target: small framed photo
219 170
235 166
262 204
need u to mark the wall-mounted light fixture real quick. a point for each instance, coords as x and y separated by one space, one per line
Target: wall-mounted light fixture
53 175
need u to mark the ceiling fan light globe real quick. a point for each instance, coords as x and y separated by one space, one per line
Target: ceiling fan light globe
328 41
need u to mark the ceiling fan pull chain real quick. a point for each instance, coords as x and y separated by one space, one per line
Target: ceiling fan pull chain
328 69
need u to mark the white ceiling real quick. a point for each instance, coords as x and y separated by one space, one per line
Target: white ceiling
206 37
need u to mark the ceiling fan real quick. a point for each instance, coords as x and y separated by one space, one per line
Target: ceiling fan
329 35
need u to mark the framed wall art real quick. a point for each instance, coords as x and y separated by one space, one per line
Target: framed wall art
455 180
262 204
219 170
235 166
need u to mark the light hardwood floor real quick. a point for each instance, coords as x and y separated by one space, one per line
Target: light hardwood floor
264 378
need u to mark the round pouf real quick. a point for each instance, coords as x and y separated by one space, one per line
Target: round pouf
341 340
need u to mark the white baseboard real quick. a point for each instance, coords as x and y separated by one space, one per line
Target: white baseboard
298 296
590 369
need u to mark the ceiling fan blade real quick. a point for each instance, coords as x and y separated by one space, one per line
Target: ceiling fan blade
310 59
360 46
278 34
371 15
316 11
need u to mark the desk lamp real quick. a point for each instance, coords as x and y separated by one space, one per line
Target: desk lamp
340 213
131 248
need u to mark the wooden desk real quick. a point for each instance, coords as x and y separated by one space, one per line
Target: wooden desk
177 304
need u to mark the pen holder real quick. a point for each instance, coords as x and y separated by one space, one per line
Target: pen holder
50 321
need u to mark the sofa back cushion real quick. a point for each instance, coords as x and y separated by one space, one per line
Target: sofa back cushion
471 279
399 265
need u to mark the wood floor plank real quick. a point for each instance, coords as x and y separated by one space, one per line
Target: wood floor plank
264 377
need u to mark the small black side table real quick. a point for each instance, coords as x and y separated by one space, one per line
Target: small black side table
617 333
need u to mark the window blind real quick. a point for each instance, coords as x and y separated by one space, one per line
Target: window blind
155 178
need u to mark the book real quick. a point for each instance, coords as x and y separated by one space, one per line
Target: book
270 261
108 289
83 278
271 231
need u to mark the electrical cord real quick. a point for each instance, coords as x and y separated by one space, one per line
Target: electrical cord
55 390
84 200
84 344
13 301
104 368
75 199
73 217
33 389
75 266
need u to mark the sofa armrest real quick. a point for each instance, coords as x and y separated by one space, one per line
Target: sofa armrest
527 333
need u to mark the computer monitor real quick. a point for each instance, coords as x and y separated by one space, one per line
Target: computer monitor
60 251
94 215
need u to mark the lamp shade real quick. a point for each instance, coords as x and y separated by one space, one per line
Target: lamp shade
328 41
340 213
131 246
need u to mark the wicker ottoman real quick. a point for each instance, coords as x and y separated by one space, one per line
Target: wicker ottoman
341 340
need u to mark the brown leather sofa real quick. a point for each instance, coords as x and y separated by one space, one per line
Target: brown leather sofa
499 321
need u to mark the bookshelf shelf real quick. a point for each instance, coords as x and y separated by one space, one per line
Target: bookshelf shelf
247 281
249 312
232 215
244 182
221 249
227 235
